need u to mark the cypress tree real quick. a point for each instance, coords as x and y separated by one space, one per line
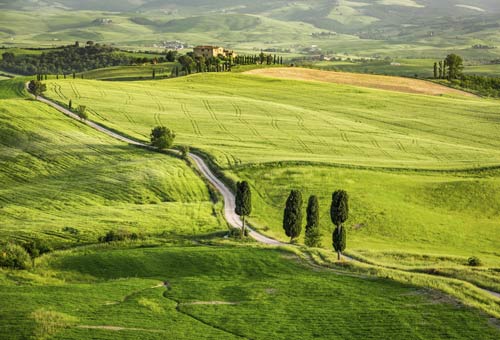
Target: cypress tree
440 68
435 70
339 212
243 202
154 73
70 104
313 236
445 65
292 217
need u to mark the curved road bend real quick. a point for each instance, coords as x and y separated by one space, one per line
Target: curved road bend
229 214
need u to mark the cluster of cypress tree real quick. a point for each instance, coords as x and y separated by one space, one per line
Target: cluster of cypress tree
262 58
449 68
339 212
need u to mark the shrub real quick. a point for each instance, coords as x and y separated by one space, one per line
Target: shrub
71 230
236 232
184 149
81 111
36 248
14 256
119 235
474 261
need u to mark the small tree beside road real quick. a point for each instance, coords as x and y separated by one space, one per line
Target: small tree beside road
81 111
243 202
37 88
162 137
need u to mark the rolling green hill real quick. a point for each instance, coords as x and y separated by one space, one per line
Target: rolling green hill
241 119
411 162
130 72
59 176
397 28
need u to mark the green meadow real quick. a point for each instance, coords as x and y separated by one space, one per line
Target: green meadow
420 170
140 72
219 292
63 182
242 119
416 166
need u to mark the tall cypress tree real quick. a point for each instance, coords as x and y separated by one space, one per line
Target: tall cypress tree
292 216
435 70
313 236
339 212
440 69
243 202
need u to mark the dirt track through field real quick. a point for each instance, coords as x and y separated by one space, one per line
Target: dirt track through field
398 84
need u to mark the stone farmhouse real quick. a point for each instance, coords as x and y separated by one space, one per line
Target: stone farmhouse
212 52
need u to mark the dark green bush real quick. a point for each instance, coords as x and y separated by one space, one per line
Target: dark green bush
36 248
474 261
119 235
14 256
236 232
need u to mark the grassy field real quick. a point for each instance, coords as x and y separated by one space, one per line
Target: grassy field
403 212
423 68
59 176
219 292
130 72
405 85
392 151
246 119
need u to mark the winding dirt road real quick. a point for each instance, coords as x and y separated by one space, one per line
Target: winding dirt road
229 199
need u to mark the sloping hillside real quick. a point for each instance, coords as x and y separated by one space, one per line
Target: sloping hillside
64 182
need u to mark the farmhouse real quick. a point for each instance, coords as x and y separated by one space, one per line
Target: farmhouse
212 52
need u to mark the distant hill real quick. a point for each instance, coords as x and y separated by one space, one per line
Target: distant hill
432 27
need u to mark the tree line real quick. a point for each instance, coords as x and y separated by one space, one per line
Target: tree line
451 69
70 59
190 63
